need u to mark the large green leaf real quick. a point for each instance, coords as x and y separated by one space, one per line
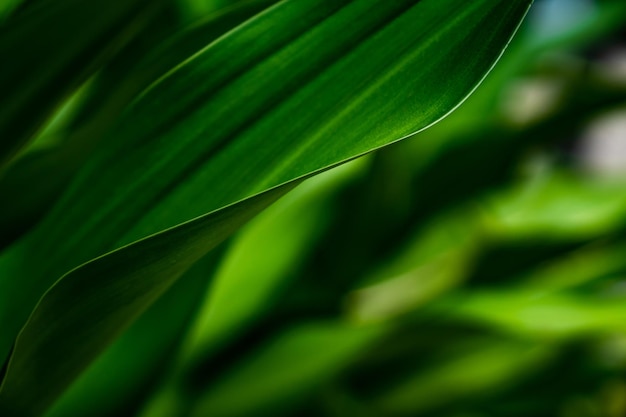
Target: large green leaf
303 86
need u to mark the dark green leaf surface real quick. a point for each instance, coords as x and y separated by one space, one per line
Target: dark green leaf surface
142 354
37 74
147 270
304 86
117 85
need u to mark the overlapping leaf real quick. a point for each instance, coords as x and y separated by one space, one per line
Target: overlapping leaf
303 86
142 354
115 87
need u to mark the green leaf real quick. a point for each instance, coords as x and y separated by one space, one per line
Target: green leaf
261 263
538 313
142 354
436 262
591 263
7 7
33 84
192 9
116 86
143 267
309 367
555 206
270 102
263 260
478 370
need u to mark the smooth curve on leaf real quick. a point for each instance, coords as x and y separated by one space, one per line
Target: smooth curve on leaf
147 271
262 258
302 87
143 354
143 180
258 264
12 313
36 74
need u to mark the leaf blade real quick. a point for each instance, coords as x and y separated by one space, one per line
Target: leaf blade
352 107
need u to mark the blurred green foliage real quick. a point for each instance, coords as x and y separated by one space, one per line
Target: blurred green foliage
476 269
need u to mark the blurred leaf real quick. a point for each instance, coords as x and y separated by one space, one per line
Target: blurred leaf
401 67
557 205
6 7
479 370
315 353
37 74
194 9
534 313
435 263
263 259
586 265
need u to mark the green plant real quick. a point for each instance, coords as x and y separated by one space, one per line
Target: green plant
136 142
